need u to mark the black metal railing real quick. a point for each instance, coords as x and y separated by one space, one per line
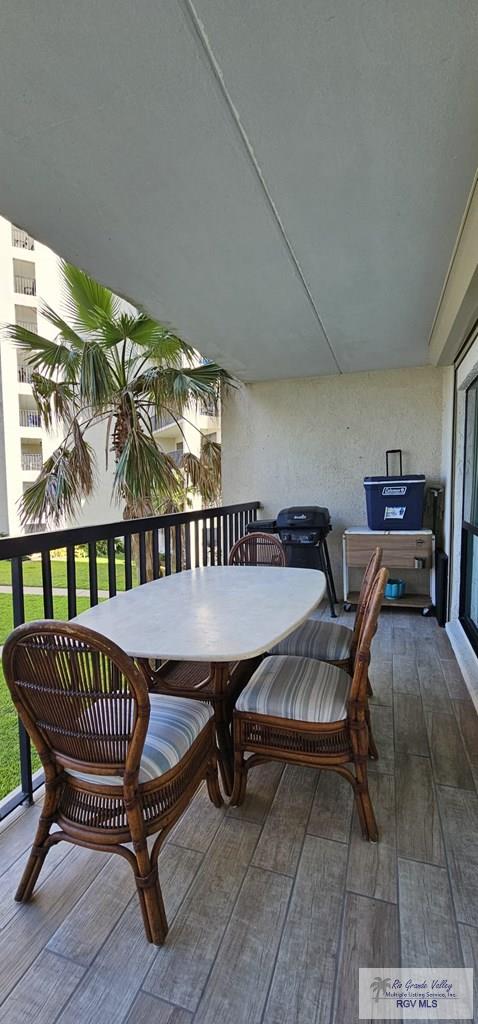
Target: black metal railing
132 552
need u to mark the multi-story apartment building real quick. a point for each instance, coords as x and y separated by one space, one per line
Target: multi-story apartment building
29 275
27 270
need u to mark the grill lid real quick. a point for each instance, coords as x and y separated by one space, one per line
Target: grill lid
303 517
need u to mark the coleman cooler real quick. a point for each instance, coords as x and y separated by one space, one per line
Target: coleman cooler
395 502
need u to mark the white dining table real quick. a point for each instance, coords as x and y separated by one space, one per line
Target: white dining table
219 615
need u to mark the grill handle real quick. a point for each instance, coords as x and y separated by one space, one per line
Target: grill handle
393 451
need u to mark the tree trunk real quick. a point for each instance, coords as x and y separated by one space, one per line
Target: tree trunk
136 510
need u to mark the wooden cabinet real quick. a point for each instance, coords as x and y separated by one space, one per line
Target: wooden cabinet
402 550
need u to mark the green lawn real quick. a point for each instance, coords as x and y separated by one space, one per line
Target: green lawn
9 756
32 574
32 577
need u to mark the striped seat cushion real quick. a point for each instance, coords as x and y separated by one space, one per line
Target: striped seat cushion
301 689
174 725
316 638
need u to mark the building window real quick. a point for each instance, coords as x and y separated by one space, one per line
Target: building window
469 548
21 239
24 279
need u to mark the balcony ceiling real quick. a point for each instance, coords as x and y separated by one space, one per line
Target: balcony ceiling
283 182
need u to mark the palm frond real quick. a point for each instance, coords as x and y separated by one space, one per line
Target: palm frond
158 342
82 461
55 399
58 489
175 388
64 329
96 384
211 454
87 302
201 385
204 473
143 470
42 353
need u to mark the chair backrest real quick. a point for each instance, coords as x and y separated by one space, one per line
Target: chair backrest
257 549
358 689
82 700
368 578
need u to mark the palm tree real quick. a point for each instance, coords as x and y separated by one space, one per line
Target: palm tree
114 365
379 986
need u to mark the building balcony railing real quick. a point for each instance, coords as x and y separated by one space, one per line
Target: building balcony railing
29 418
25 285
176 456
32 460
159 422
22 240
24 374
114 557
28 325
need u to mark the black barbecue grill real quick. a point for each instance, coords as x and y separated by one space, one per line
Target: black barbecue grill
303 531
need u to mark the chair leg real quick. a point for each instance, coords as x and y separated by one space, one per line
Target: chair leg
222 720
369 688
212 783
364 806
150 897
372 746
40 847
240 779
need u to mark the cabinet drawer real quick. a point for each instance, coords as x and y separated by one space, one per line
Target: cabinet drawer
399 552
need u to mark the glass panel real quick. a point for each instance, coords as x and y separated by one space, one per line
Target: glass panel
472 580
470 504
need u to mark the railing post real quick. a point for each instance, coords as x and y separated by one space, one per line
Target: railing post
18 600
143 574
225 544
111 566
178 549
218 538
197 560
205 541
187 544
71 581
167 551
93 572
128 577
156 563
47 585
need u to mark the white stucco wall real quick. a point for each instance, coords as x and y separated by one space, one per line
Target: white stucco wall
312 441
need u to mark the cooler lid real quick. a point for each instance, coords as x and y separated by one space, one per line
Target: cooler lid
412 478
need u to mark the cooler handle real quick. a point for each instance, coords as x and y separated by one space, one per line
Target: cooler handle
393 451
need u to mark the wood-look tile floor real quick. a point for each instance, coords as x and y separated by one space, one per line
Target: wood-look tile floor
272 906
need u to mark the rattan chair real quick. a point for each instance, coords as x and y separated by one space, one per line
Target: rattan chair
326 641
309 712
336 644
257 549
120 764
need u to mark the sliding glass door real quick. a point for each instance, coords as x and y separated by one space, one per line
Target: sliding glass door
469 550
